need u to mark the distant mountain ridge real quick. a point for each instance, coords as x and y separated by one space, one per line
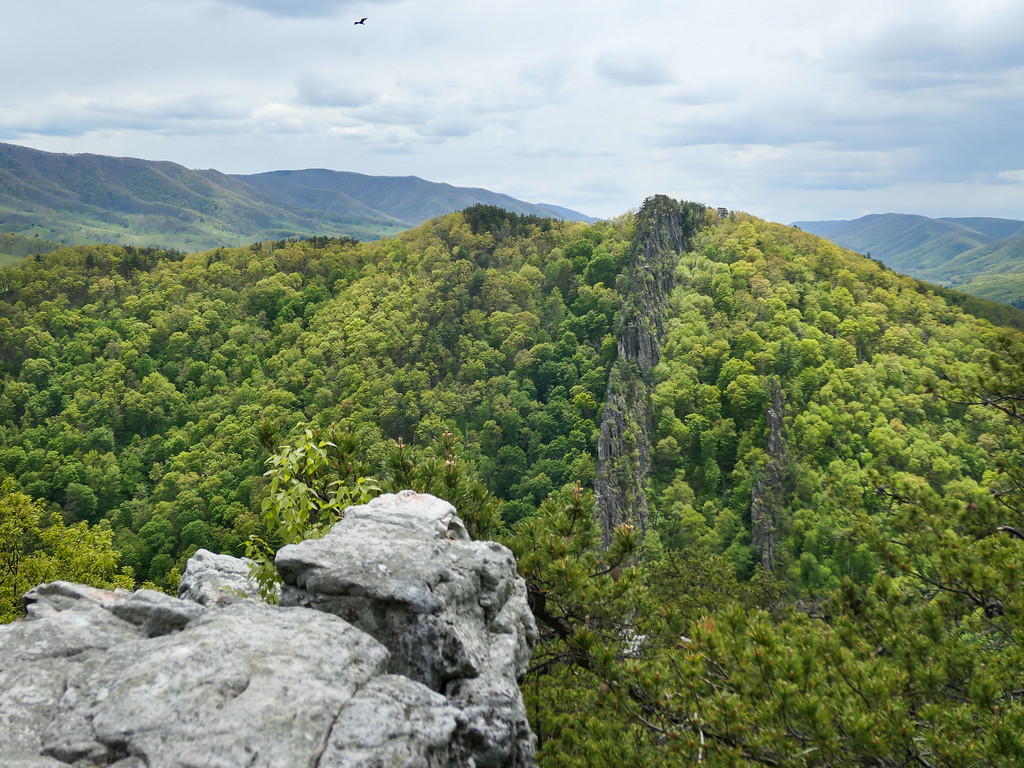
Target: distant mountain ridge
95 198
408 199
978 255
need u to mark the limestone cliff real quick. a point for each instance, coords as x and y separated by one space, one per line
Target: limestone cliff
664 228
398 643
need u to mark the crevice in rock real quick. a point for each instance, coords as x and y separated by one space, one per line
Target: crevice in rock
318 753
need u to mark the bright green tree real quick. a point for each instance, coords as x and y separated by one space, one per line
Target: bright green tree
32 553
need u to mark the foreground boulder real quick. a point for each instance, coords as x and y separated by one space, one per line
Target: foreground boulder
398 643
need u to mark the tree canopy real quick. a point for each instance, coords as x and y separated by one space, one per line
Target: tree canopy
832 569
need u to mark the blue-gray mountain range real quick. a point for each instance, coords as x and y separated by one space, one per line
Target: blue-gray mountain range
94 198
976 255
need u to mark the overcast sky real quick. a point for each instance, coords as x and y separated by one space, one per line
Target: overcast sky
787 109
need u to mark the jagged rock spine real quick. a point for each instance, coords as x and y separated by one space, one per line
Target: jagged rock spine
766 497
663 231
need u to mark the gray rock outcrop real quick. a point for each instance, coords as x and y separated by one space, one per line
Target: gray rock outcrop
664 228
217 580
398 643
767 496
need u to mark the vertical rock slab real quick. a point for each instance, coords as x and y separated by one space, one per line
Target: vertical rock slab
664 228
767 494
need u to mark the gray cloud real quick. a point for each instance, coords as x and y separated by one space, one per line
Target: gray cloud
450 127
940 49
68 115
761 107
632 69
549 74
323 91
300 8
397 112
695 94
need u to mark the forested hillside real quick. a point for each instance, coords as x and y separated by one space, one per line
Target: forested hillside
827 567
982 256
47 197
838 503
408 199
848 350
133 379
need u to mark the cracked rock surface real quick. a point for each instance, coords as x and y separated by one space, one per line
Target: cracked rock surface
400 646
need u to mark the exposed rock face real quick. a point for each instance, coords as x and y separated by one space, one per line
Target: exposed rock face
134 680
663 231
453 612
767 494
217 580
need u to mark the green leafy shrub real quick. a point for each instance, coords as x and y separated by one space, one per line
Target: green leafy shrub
308 494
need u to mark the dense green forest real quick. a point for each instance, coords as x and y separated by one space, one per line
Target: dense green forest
133 378
13 248
830 571
1006 287
850 348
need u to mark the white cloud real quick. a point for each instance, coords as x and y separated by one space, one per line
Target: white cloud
450 127
770 107
322 90
550 74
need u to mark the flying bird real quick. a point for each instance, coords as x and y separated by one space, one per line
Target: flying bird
362 21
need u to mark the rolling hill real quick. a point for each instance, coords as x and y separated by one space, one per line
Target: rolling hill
981 256
821 455
58 198
823 458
